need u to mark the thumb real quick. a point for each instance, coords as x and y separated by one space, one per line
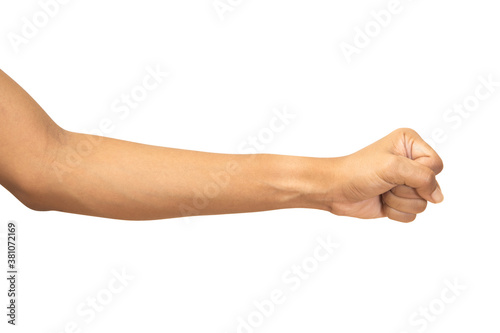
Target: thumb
418 176
419 150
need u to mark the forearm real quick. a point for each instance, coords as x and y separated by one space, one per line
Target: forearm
48 168
126 180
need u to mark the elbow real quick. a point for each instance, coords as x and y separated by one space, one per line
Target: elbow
37 184
36 205
35 195
39 199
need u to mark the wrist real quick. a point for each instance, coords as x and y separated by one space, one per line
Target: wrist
305 182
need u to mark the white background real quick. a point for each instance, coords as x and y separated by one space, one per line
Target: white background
225 79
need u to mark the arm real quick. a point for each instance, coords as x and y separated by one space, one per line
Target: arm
49 168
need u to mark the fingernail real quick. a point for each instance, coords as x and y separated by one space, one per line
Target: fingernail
437 195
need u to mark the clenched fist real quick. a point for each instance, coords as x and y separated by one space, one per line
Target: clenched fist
393 177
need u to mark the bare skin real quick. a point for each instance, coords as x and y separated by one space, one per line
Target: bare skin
49 168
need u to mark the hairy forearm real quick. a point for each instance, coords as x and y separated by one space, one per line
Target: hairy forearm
125 180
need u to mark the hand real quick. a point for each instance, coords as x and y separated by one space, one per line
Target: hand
393 177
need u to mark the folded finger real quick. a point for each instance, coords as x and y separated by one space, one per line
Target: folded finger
396 215
404 205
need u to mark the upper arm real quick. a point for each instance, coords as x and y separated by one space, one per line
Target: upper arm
28 137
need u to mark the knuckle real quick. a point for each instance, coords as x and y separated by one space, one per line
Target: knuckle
406 130
438 166
428 176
